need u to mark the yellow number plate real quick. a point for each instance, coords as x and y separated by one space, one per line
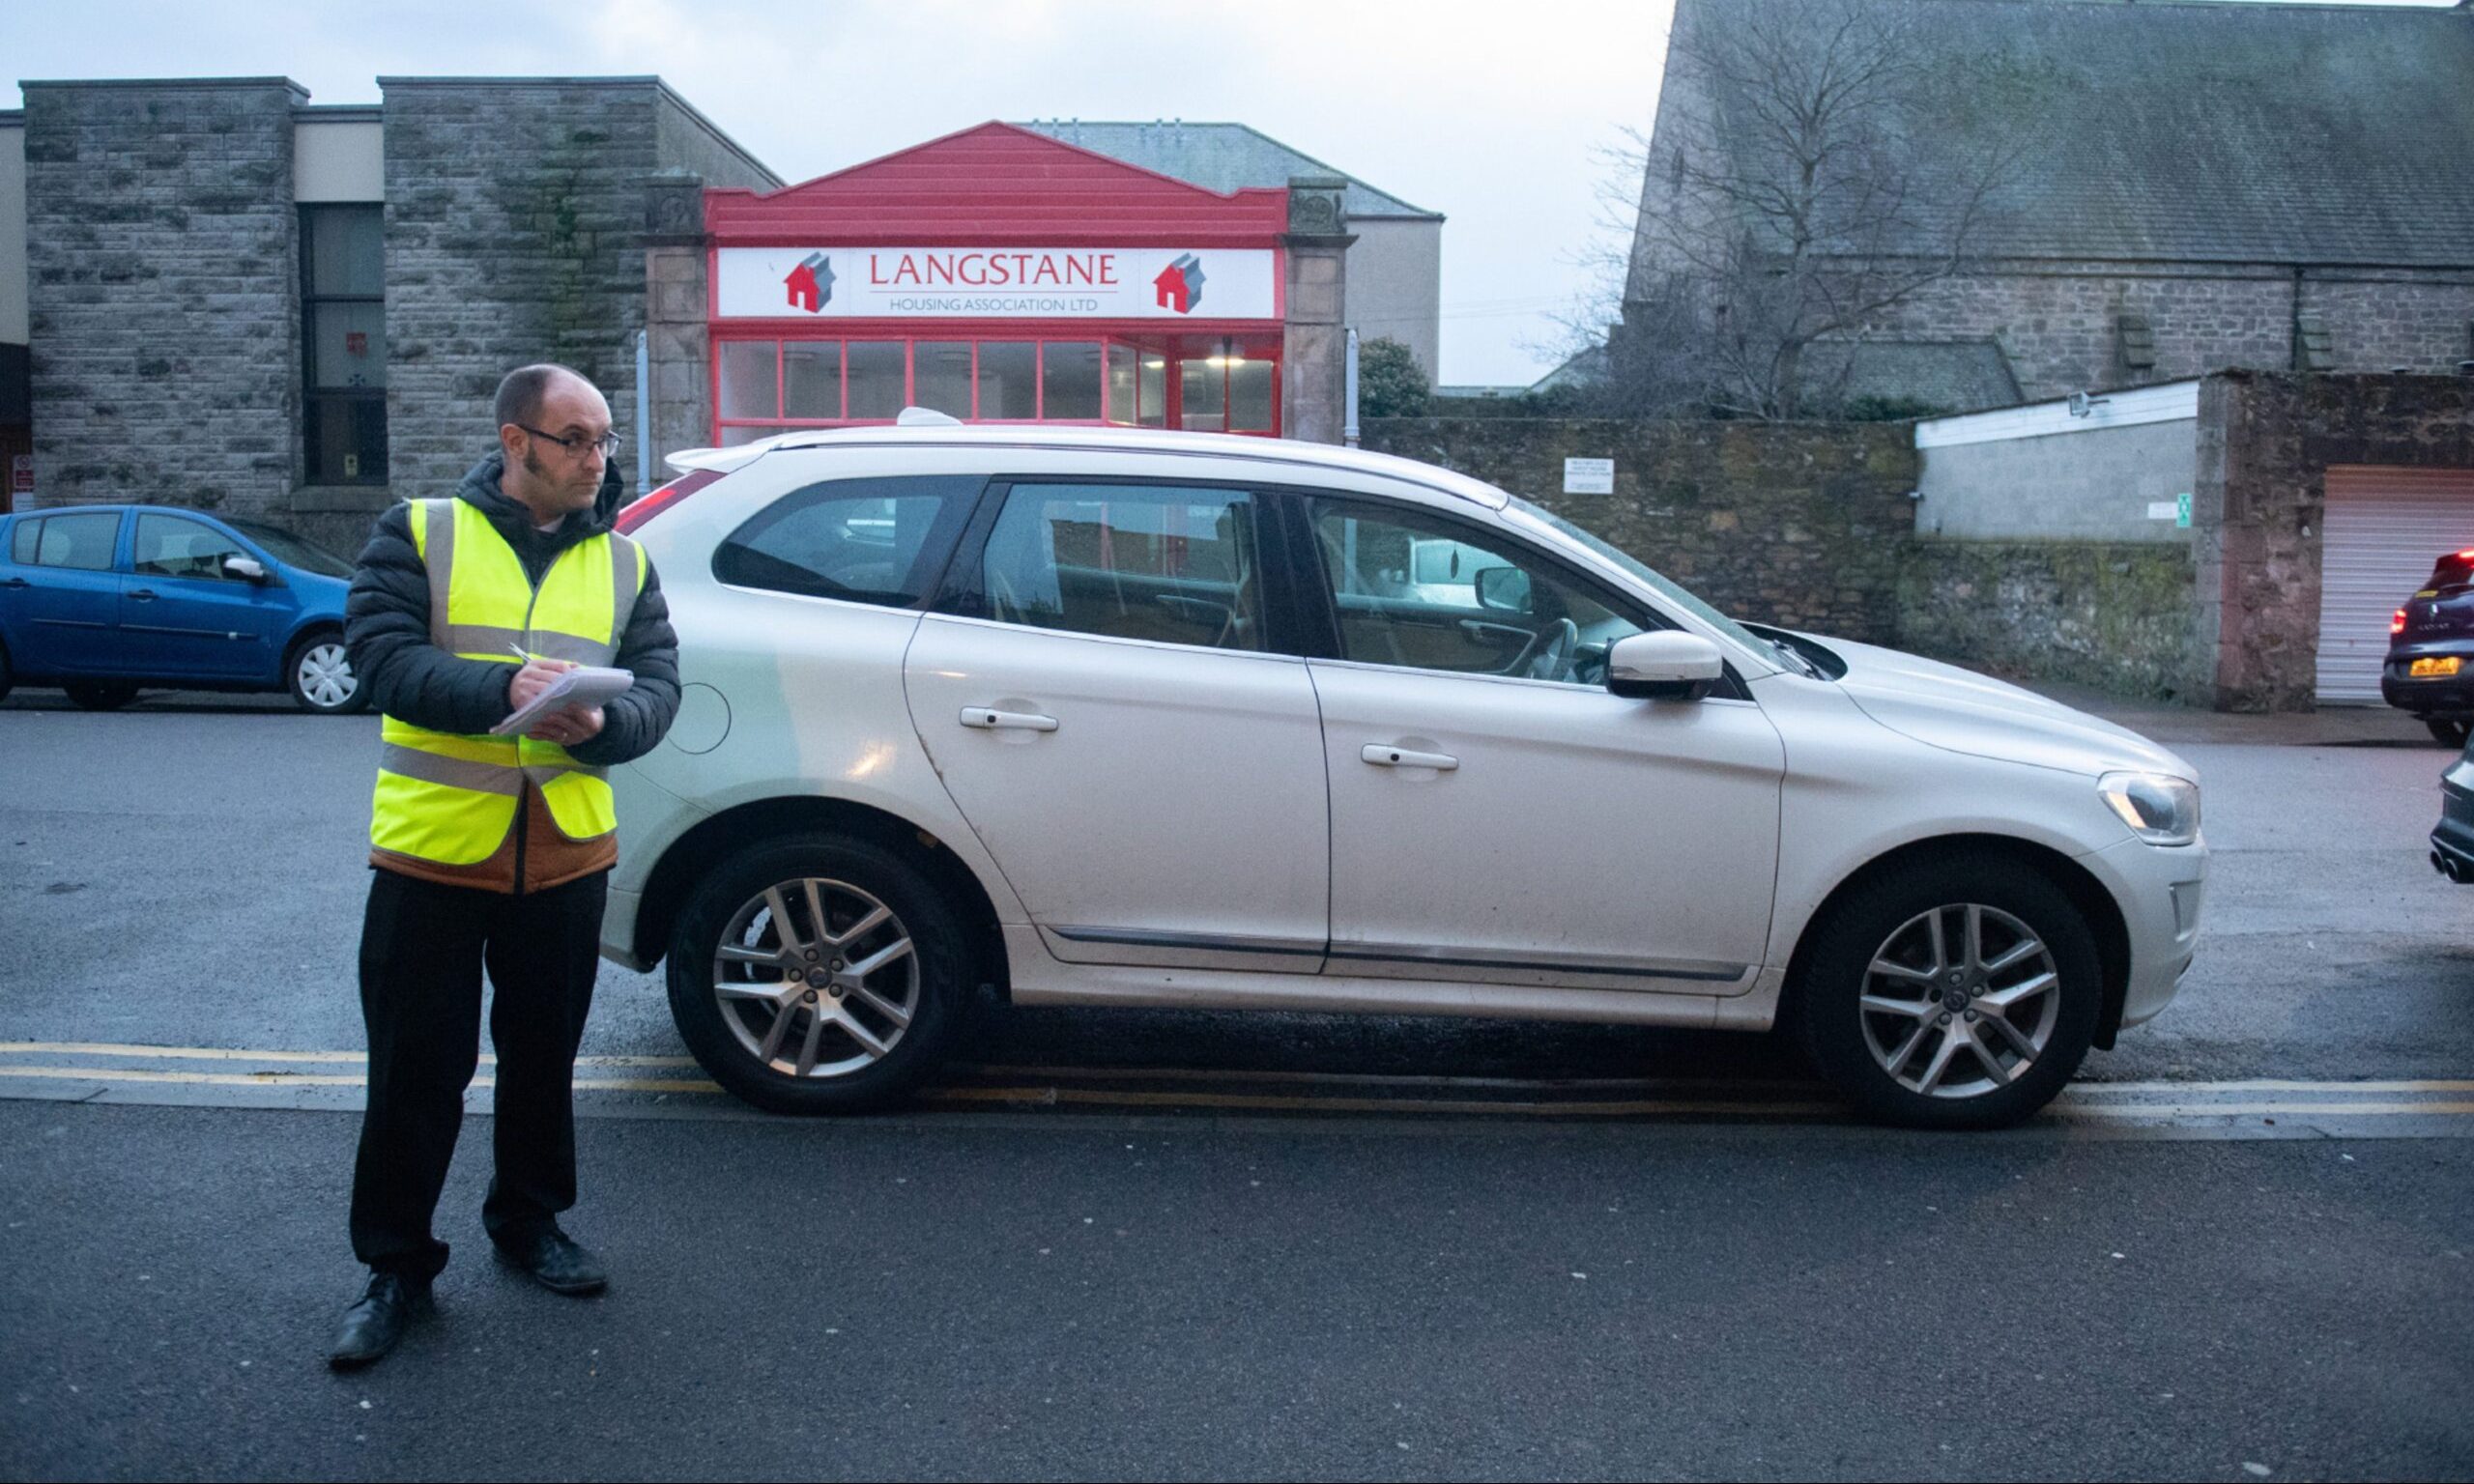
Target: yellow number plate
2426 669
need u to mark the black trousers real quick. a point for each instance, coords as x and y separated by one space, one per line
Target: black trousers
423 946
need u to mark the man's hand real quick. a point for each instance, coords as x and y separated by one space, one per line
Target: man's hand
568 726
532 679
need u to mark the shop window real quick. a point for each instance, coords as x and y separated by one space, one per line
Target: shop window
343 326
940 376
1250 390
812 379
1202 394
1151 391
1121 373
749 388
1069 380
1009 380
876 378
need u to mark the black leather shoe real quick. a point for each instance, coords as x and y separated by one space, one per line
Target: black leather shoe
372 1327
556 1261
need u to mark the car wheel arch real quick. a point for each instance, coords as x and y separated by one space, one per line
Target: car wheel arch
2096 904
307 634
674 877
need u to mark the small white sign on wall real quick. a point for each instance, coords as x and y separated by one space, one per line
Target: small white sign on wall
2163 510
1589 476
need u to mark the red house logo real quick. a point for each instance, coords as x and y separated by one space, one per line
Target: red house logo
809 285
1180 285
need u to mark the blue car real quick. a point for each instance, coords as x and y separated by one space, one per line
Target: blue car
102 600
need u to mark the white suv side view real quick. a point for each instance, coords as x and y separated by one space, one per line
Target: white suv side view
1104 716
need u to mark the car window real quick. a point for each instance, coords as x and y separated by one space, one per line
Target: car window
170 546
861 540
83 542
1172 564
1425 592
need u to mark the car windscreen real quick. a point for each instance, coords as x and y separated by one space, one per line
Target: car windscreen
291 550
1657 583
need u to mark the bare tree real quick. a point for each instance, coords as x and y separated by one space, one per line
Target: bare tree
1816 163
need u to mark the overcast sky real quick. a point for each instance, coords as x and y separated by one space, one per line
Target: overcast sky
1492 114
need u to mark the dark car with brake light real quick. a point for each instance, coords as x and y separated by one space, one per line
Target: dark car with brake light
2430 670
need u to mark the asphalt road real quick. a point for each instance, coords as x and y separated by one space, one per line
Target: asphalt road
1072 1301
1285 1282
192 873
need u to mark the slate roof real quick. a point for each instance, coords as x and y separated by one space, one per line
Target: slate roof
1220 156
2198 131
1957 374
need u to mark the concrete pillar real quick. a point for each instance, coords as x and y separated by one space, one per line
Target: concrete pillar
1314 336
678 339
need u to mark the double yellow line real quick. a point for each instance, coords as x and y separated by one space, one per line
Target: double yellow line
1223 1090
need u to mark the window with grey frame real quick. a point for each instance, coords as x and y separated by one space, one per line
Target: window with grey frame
343 327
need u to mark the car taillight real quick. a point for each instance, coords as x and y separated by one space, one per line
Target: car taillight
2396 621
637 512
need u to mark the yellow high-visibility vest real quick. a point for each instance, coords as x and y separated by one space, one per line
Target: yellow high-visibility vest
451 799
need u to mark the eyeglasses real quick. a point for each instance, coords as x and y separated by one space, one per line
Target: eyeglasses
607 443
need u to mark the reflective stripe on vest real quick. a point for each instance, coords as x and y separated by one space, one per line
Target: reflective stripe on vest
450 798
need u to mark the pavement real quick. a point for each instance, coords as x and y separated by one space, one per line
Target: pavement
1158 1244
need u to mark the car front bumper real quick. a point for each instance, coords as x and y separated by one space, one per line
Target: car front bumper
2159 890
2453 841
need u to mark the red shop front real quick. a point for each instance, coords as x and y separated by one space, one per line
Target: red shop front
1003 277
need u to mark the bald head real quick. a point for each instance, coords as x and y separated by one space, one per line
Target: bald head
551 425
524 389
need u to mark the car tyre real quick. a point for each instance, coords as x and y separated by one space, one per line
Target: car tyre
8 677
1877 949
910 1007
101 697
319 673
2448 733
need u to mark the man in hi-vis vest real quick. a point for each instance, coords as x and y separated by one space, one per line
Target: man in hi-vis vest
492 851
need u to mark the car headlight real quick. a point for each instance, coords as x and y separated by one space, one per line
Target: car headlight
2160 809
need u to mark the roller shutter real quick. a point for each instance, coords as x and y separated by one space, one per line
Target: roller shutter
2383 530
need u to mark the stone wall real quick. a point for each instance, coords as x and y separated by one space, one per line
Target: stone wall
2265 442
2116 616
1802 524
163 294
515 217
2060 322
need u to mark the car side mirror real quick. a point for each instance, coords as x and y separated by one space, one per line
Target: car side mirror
1504 588
248 567
1667 665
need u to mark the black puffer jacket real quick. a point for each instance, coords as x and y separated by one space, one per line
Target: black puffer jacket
386 629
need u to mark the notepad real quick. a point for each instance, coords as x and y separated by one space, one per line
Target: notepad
586 685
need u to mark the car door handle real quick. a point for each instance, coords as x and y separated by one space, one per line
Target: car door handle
142 594
1383 756
17 582
982 719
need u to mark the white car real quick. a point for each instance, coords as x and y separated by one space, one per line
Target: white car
1112 717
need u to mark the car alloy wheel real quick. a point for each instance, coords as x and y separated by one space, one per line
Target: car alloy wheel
818 973
322 676
1960 1001
815 978
1950 991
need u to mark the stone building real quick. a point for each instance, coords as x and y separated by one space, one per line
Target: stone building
2188 186
216 294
